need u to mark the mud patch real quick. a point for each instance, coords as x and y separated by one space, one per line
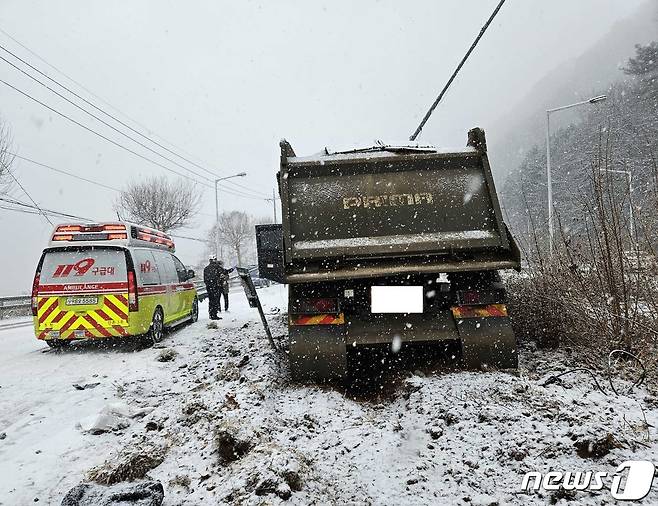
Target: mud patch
128 465
592 448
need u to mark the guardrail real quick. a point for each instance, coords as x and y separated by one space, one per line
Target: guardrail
201 292
15 305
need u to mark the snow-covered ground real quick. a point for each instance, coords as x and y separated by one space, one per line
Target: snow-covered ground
423 437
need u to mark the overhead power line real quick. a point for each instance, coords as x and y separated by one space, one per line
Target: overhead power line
100 99
454 74
88 102
81 86
246 192
8 208
120 132
129 150
27 194
230 191
39 210
246 188
70 174
87 180
189 238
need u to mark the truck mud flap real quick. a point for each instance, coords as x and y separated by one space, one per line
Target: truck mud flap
317 353
488 342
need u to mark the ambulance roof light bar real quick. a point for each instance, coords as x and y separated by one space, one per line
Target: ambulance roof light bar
125 233
150 235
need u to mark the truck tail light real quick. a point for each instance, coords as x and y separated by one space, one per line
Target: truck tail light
470 297
35 292
481 297
481 311
133 300
316 306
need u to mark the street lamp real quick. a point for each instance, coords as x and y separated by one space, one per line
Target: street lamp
593 100
629 175
241 174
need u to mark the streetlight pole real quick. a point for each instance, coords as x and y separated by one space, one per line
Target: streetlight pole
549 181
629 175
241 174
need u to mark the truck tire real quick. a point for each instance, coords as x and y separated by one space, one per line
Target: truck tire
488 342
485 342
317 353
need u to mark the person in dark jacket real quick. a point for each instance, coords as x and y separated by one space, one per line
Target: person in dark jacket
224 282
213 282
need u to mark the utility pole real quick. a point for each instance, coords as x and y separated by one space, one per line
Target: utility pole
273 199
216 220
274 203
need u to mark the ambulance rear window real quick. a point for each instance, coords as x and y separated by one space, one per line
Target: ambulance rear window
81 265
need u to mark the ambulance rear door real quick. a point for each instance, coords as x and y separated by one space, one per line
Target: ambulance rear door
83 292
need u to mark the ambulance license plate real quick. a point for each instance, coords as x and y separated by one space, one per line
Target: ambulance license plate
81 301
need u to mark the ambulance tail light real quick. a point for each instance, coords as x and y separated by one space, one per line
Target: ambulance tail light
113 227
69 228
133 301
35 292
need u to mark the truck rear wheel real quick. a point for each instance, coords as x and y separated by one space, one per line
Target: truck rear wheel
317 353
486 341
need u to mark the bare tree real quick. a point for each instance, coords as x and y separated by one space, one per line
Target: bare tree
6 158
236 230
159 203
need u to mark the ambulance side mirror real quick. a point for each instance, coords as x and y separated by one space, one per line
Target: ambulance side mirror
190 274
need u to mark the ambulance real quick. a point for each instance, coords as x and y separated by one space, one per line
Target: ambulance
107 280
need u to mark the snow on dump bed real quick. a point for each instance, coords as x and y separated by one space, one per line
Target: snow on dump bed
212 415
380 152
437 237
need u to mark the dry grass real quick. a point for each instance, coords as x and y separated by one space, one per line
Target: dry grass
598 289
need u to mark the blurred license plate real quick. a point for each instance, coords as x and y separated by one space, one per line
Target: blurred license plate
396 299
81 301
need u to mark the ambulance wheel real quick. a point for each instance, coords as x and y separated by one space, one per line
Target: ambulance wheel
194 316
57 343
156 332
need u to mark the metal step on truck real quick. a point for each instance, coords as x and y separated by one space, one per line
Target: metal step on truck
390 244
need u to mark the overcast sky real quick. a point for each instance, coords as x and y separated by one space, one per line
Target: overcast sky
224 81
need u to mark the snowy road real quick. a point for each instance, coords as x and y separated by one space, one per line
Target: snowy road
426 438
44 451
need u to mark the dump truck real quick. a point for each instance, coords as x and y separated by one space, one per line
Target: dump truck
392 245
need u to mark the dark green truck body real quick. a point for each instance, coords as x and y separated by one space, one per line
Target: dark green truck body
382 216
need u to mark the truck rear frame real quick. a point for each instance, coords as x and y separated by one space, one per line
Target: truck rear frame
396 217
